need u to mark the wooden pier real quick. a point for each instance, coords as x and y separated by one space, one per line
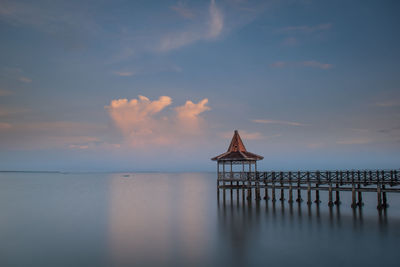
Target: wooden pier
293 183
249 180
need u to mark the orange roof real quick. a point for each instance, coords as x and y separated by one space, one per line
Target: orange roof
237 151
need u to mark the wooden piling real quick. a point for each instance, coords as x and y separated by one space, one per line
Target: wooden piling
379 206
282 198
308 189
337 200
266 197
330 202
290 188
384 199
360 202
273 187
353 197
290 194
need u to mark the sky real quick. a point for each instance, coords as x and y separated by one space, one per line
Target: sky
162 85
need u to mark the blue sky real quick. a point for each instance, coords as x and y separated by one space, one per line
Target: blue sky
161 85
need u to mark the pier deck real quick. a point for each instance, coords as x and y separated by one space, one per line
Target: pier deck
356 181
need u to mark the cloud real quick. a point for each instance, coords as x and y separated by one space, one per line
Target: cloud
51 134
79 146
279 64
11 111
354 141
183 11
216 22
245 135
388 103
5 126
191 110
25 79
188 116
389 130
5 92
145 123
46 16
316 64
278 122
290 41
310 63
315 145
306 29
214 27
124 73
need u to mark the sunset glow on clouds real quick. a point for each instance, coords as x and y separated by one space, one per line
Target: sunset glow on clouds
291 76
145 122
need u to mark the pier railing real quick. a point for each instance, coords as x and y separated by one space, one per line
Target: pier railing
391 177
356 181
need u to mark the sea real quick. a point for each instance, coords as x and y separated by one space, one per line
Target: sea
177 219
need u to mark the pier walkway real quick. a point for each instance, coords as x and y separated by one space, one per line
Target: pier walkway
355 181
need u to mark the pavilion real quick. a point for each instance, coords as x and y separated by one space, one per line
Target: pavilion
237 155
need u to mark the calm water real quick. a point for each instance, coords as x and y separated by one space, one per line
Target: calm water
159 219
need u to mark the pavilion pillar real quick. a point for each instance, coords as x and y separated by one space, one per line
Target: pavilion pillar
231 177
218 178
223 177
258 194
249 182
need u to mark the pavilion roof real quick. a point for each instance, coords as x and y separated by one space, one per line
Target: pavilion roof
237 151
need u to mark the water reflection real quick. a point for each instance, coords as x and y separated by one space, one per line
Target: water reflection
247 225
284 210
154 218
159 219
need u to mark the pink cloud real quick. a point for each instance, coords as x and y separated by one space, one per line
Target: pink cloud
144 122
5 126
291 123
249 135
309 63
354 141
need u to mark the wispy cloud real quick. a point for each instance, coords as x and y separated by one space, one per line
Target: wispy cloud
143 123
309 63
7 111
315 145
45 16
389 130
5 92
216 22
290 41
388 103
25 79
50 134
354 141
183 11
124 73
79 146
214 27
5 126
248 135
291 123
306 29
316 64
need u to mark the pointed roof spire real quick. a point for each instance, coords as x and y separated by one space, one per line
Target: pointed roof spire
236 143
237 151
